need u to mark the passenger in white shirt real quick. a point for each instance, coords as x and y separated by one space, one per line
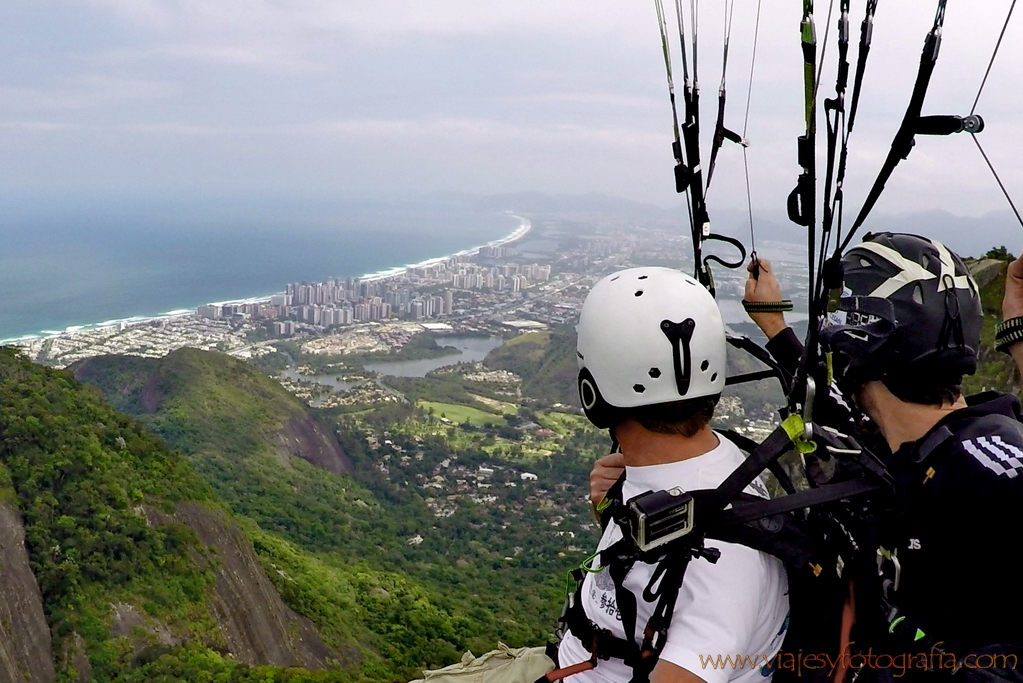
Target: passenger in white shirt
651 352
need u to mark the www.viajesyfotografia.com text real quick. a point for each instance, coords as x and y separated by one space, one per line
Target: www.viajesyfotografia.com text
901 663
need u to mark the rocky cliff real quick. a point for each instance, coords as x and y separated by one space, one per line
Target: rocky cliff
25 650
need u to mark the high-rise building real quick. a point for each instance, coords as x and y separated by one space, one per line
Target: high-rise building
210 311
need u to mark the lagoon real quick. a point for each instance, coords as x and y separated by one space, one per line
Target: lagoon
471 350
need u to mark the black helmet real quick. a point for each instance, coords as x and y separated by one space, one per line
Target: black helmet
909 312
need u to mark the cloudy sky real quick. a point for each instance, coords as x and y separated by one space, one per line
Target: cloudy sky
338 98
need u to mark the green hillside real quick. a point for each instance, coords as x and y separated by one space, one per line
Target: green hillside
546 363
995 370
336 545
259 447
142 574
131 552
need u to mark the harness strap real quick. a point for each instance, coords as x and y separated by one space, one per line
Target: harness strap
748 445
752 348
748 512
601 643
773 447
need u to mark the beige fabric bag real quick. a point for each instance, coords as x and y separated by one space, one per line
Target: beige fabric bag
503 665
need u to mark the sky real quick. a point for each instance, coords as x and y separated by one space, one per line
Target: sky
321 99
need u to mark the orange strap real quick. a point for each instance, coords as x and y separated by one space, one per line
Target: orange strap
558 674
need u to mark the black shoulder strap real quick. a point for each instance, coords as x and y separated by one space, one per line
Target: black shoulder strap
611 503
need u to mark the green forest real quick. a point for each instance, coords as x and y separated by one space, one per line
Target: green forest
188 519
91 468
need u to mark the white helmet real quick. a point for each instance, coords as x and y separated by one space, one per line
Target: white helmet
648 336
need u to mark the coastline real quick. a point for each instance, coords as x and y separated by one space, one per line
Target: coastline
525 225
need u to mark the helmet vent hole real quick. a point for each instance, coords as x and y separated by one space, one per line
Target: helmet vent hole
643 277
704 365
655 373
615 278
918 294
580 355
639 292
638 388
865 263
714 377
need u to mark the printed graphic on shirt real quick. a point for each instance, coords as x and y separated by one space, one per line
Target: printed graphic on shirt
769 667
1001 458
602 594
758 486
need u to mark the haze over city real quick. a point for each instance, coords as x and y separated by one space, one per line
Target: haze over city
313 99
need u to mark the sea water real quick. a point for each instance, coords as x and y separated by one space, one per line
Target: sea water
83 263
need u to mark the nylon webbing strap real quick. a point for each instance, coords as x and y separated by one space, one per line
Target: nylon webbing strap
752 348
749 445
625 599
802 199
902 145
772 448
793 427
656 632
748 512
612 498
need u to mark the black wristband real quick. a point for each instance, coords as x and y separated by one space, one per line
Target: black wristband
782 306
1008 333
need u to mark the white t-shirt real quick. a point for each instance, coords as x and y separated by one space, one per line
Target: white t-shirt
738 606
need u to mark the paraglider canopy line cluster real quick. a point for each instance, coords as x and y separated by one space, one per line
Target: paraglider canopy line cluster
824 249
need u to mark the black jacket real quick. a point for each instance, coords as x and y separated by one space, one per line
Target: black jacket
960 525
957 523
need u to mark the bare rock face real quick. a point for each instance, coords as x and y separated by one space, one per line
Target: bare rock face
26 653
304 437
986 271
256 625
76 658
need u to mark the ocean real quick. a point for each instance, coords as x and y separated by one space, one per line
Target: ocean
83 263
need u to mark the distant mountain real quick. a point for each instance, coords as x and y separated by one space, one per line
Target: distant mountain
966 235
575 205
213 398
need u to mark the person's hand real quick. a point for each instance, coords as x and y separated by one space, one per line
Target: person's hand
766 289
604 474
1012 302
